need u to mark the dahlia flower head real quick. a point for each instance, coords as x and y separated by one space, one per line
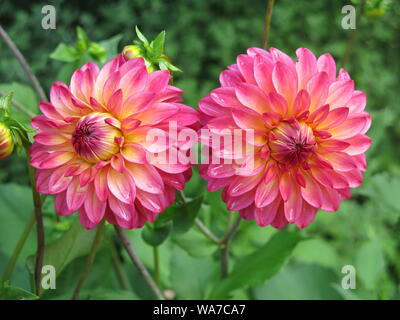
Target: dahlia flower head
309 128
91 150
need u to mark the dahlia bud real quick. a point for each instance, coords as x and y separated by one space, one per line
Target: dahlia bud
151 52
131 51
6 141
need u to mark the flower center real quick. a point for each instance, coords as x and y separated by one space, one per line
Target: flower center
94 137
291 143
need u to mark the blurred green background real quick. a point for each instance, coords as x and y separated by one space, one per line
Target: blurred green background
203 37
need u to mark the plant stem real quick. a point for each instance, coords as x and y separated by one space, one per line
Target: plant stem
119 268
139 265
90 259
21 242
225 247
20 106
267 23
37 201
11 45
156 266
207 232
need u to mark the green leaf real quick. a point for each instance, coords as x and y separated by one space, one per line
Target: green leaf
76 242
83 40
97 51
25 96
182 280
155 236
185 214
141 36
300 282
259 266
158 44
111 46
194 243
65 53
15 211
370 264
8 292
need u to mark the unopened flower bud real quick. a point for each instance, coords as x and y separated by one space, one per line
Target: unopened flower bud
6 141
131 52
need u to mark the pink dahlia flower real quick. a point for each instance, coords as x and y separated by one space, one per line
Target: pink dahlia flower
91 148
309 136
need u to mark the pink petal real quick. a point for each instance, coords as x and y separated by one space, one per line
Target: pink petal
263 73
317 87
240 184
121 186
306 67
340 93
158 81
252 97
58 182
327 64
293 206
246 118
264 216
100 184
339 160
94 208
146 177
311 192
266 192
240 202
245 64
358 144
76 195
225 97
229 78
134 152
285 82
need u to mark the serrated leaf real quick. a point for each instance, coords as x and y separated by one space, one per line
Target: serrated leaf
259 266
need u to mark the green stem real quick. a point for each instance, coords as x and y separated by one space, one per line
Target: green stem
224 243
17 251
156 261
25 66
90 259
267 23
119 268
37 201
138 264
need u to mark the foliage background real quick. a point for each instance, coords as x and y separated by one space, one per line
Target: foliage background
203 37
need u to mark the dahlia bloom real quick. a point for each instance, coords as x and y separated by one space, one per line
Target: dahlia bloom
91 150
309 136
6 142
